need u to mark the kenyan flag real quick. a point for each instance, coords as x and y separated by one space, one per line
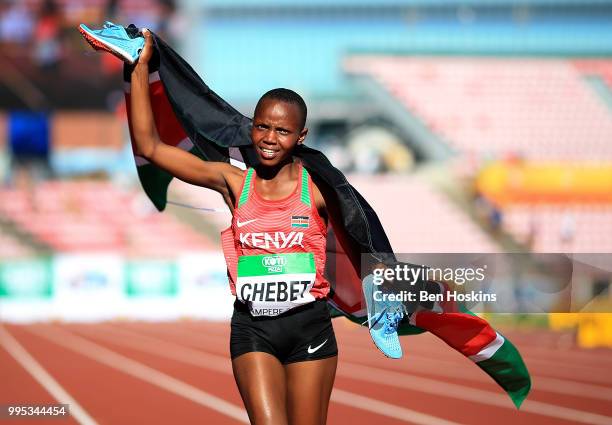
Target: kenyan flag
189 115
299 221
154 180
477 340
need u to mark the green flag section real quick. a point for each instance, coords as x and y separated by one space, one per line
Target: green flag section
507 368
26 279
476 339
155 183
151 279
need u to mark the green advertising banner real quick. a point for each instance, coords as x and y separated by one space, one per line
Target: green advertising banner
26 279
151 279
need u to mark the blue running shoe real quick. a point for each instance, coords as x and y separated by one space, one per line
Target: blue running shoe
115 40
383 320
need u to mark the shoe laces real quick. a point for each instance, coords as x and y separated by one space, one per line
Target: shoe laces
390 316
108 28
393 315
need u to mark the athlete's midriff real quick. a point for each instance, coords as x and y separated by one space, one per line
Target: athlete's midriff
270 228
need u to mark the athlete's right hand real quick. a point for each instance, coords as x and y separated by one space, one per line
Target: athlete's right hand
147 51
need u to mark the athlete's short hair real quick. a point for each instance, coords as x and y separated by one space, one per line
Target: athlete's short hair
289 96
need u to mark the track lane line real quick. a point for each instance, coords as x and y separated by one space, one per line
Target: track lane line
431 386
138 370
218 363
540 383
575 388
173 351
597 358
386 409
530 351
29 363
203 361
538 369
416 383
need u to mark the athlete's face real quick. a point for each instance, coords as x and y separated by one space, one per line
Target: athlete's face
277 130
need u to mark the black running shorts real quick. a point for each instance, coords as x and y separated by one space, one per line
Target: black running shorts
300 334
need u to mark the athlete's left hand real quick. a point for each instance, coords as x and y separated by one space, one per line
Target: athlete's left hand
147 51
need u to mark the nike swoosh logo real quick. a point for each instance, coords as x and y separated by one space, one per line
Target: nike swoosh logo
312 350
244 223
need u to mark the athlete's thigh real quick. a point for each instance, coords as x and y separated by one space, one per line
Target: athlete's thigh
261 381
309 386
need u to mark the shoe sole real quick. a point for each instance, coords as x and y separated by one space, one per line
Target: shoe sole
99 44
382 351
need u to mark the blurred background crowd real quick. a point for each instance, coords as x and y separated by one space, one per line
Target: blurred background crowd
470 126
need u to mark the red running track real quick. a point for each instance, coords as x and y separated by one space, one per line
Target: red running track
180 373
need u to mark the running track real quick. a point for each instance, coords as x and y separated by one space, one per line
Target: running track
180 373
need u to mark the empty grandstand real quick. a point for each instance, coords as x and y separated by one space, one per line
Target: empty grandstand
81 217
529 108
533 111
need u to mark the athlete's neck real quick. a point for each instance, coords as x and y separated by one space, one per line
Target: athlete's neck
281 171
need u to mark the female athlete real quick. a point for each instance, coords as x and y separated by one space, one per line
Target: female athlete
282 343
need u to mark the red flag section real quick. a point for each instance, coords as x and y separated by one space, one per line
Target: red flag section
168 127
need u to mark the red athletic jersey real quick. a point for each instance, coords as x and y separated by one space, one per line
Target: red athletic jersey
289 225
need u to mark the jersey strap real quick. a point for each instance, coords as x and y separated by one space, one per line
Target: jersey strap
305 190
246 187
304 187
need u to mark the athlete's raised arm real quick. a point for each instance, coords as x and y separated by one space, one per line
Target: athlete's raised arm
219 176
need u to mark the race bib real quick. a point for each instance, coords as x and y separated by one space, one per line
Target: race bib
273 284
